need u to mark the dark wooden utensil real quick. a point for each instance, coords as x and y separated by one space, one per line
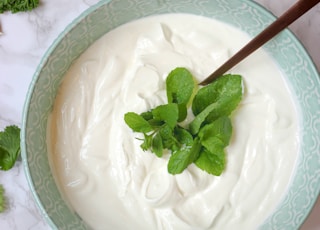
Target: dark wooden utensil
293 13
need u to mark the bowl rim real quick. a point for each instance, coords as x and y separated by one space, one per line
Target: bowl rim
317 73
55 43
25 111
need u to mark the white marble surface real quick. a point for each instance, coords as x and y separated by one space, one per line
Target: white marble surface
25 38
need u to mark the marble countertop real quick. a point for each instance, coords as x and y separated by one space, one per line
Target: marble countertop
25 38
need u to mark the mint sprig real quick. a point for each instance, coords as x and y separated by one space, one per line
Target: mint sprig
9 147
206 137
9 152
214 138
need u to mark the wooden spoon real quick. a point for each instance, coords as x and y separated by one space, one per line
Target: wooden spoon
293 13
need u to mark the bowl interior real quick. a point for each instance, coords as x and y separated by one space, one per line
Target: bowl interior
292 59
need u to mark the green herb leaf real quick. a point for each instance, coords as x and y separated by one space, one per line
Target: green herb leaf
214 137
195 125
157 146
182 158
2 199
180 86
183 112
9 147
147 115
137 123
219 131
147 142
203 142
212 163
18 5
225 92
168 113
183 136
217 99
168 139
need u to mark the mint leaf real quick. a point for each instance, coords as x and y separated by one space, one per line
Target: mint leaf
183 112
168 139
147 142
182 158
147 115
226 92
217 99
168 113
9 152
195 125
219 131
214 137
9 147
180 86
157 146
212 163
137 123
183 136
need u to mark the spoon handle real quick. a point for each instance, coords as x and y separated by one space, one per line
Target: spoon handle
293 13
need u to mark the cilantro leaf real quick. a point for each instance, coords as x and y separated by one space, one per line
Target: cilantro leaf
9 147
137 123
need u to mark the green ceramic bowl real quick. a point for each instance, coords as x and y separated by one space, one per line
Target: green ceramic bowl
291 57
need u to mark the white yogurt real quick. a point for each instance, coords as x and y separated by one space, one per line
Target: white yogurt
99 165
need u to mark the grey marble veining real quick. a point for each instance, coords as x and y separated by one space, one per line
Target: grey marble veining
25 38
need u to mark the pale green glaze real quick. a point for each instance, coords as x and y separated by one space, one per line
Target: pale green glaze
291 57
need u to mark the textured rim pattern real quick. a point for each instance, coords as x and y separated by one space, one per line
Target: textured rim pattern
246 15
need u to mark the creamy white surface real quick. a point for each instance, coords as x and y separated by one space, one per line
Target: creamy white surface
111 182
